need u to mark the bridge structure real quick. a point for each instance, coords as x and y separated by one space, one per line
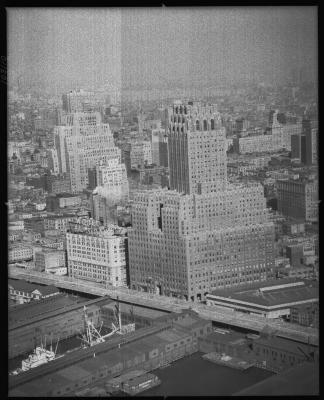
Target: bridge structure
221 315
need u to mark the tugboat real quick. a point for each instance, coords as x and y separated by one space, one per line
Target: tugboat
39 357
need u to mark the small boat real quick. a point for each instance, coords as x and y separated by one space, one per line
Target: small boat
139 384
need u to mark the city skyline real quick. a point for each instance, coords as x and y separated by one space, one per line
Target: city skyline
163 205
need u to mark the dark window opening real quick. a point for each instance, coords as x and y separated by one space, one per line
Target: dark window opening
160 217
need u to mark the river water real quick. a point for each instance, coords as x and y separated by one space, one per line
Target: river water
194 376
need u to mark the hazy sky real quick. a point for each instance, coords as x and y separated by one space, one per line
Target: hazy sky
71 47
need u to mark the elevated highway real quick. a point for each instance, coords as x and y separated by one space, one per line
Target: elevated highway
213 313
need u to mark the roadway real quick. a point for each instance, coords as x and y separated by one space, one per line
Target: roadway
213 313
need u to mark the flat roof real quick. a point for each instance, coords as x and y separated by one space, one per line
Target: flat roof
272 293
302 380
49 310
25 286
27 311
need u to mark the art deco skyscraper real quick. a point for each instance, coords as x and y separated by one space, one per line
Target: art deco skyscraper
207 233
197 151
81 144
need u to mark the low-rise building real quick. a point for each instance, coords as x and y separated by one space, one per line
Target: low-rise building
20 252
48 260
23 292
271 299
62 200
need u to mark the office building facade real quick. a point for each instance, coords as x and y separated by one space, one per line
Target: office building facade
207 233
87 151
298 198
197 151
97 255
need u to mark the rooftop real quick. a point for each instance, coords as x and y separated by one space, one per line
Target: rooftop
272 293
27 311
25 286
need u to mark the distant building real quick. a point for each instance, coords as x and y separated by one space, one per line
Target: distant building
97 255
92 178
48 260
304 144
277 138
75 125
298 198
309 142
20 252
300 272
154 175
150 124
112 179
159 147
77 101
140 154
112 188
62 200
306 315
60 184
85 152
53 162
295 253
57 223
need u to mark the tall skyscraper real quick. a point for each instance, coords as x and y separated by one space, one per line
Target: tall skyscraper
197 152
309 142
75 124
159 147
86 151
206 233
304 144
81 144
